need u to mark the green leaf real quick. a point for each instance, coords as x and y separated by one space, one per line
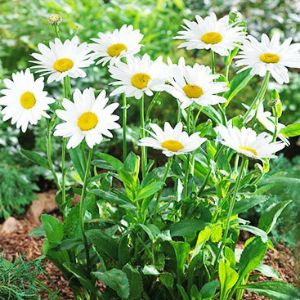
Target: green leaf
181 252
54 229
149 190
209 289
252 256
182 292
237 84
105 245
228 278
111 197
276 290
268 271
259 232
187 227
115 279
36 158
115 163
132 165
269 218
216 233
167 280
135 282
150 270
123 251
290 130
203 236
72 223
247 203
77 156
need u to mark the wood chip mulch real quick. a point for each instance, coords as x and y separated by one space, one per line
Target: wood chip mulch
21 243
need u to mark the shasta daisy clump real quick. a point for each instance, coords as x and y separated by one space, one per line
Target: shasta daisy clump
160 219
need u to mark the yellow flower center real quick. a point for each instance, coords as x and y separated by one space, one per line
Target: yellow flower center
193 91
249 149
211 37
269 58
172 145
116 49
27 100
140 80
63 64
87 121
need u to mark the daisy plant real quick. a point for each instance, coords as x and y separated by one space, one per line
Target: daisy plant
164 224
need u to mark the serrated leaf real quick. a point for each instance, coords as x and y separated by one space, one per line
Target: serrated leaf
115 279
135 282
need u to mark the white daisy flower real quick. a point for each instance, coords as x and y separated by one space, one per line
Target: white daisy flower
195 84
24 99
63 59
86 118
138 76
245 141
172 141
269 55
112 46
211 33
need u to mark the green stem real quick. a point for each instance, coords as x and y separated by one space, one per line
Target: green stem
142 133
212 61
49 155
186 178
231 206
67 94
56 30
178 112
169 164
81 208
260 95
275 133
124 108
151 105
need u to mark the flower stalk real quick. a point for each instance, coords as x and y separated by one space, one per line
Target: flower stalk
124 121
142 134
232 201
259 96
81 208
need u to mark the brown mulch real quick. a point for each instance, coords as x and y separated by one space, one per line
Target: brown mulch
20 242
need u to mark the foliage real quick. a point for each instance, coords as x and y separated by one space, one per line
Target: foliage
16 188
279 185
167 230
18 279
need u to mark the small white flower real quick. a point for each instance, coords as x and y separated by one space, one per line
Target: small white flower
194 84
172 141
245 141
24 99
86 118
269 55
63 59
138 76
112 46
211 33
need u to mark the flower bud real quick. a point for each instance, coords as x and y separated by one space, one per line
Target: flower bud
55 19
